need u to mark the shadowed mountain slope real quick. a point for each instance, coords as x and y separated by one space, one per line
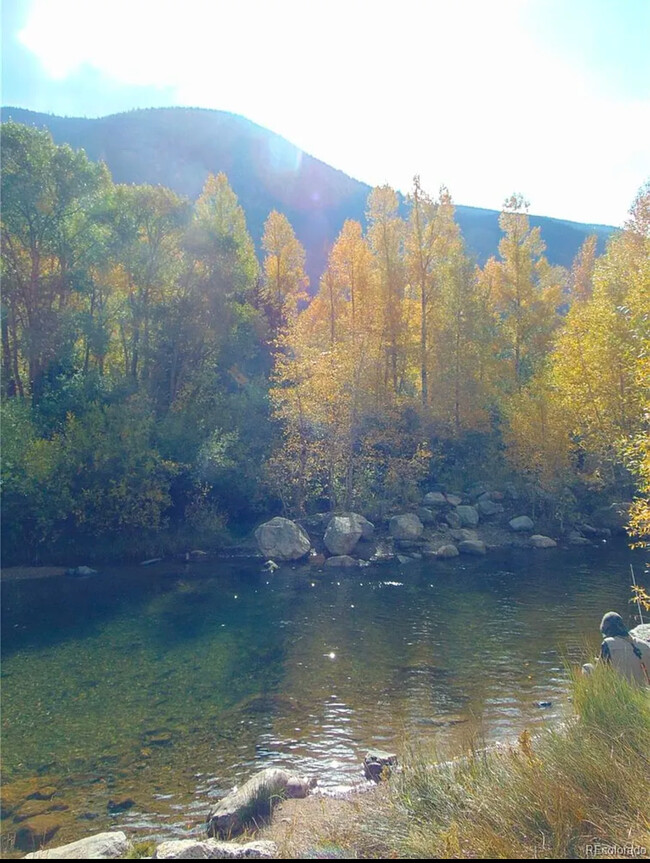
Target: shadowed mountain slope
179 147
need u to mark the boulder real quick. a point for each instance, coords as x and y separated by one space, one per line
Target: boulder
446 551
453 520
342 534
521 523
463 534
340 560
454 499
472 546
436 499
537 540
407 526
103 846
488 507
425 515
596 532
212 849
377 764
255 798
468 516
614 517
574 537
367 527
282 539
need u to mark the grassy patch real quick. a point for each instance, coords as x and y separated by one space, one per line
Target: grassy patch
140 850
552 796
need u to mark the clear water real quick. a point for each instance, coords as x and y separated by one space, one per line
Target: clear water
169 684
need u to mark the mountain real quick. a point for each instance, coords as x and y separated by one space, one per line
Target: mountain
178 147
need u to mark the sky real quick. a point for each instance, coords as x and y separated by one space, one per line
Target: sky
550 98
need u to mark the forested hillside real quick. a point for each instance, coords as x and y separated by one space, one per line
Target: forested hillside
179 147
162 385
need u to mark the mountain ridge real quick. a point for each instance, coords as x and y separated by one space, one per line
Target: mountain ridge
179 147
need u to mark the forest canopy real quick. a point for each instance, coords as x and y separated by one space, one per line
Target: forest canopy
161 386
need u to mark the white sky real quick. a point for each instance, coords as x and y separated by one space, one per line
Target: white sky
467 92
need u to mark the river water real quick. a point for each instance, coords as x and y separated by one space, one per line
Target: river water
166 685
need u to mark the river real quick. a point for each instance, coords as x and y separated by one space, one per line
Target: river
160 687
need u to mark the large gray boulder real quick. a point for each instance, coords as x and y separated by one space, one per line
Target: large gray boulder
282 539
538 540
435 498
254 799
407 526
468 516
367 527
614 517
342 534
521 523
102 846
212 849
488 507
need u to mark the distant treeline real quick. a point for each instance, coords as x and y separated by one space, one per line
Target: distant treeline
159 383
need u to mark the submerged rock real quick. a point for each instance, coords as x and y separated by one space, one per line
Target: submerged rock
341 560
103 846
282 539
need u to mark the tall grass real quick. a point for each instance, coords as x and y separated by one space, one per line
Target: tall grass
554 796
